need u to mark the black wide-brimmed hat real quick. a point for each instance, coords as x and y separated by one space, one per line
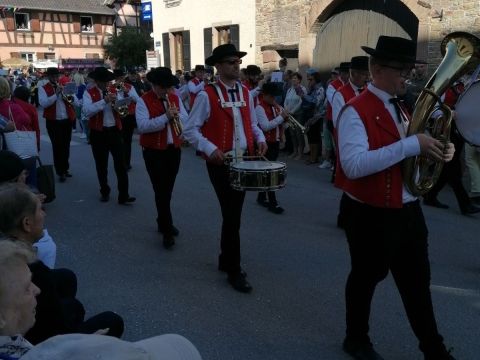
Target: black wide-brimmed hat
199 68
11 165
101 74
253 70
395 48
161 76
344 67
118 73
272 88
223 51
52 71
359 63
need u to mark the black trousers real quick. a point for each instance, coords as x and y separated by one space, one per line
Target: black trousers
231 204
109 140
382 240
128 125
162 167
272 155
60 133
452 175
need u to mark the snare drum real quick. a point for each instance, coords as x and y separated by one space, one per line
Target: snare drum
257 175
467 119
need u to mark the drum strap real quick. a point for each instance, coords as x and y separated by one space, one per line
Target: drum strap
236 118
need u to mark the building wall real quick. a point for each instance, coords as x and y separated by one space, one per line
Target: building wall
298 21
194 15
54 33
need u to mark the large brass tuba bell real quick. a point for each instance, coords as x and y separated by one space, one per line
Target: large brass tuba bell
461 52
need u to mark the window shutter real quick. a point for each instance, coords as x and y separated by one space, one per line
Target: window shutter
10 22
166 49
34 22
207 42
40 56
76 23
235 36
15 55
97 24
186 51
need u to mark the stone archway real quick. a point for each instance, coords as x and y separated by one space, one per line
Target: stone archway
321 10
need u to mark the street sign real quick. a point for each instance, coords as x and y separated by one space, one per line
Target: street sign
153 59
147 11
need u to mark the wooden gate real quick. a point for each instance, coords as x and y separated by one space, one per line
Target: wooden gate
341 36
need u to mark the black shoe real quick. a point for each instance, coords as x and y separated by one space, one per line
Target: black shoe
470 209
104 198
68 174
224 269
239 283
361 350
262 202
276 209
435 203
174 231
127 200
62 178
168 241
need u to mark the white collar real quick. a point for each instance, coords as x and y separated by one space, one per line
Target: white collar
381 94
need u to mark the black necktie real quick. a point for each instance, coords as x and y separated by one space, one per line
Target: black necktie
232 93
398 110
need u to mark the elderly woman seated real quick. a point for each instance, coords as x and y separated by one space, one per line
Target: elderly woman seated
17 316
58 309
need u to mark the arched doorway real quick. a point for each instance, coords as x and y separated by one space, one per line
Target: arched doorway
341 27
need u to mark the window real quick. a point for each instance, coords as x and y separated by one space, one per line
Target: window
22 21
49 56
178 50
86 24
27 56
223 35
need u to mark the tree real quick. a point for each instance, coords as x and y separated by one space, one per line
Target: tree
128 48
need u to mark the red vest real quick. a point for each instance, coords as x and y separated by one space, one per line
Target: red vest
337 84
96 121
50 113
158 139
131 107
196 81
347 92
250 87
219 126
271 135
382 189
452 94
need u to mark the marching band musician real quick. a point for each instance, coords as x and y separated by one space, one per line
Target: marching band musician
223 120
125 90
270 118
161 143
105 134
384 223
253 75
60 116
197 84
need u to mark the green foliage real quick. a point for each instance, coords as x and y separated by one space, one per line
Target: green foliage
128 48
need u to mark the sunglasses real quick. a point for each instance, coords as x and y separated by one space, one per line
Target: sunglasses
232 62
403 72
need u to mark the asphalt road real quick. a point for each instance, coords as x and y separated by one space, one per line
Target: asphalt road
297 263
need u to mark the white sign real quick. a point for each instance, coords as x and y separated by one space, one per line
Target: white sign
277 76
153 59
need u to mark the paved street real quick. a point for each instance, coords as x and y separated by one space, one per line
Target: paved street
297 263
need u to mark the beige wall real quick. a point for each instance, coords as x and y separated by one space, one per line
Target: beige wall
195 15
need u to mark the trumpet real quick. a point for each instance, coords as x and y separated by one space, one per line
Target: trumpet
294 123
69 98
175 122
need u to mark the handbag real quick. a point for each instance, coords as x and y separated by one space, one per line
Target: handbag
22 143
46 181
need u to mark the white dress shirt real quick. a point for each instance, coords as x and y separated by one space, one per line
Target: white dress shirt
61 109
357 159
132 94
90 108
146 125
201 112
195 88
338 102
330 92
267 125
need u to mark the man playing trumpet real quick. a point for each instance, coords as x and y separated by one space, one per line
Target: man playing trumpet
160 115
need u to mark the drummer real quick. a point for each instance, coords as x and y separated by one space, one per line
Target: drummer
222 123
270 119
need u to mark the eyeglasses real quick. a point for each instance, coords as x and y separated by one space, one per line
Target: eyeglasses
232 62
403 72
